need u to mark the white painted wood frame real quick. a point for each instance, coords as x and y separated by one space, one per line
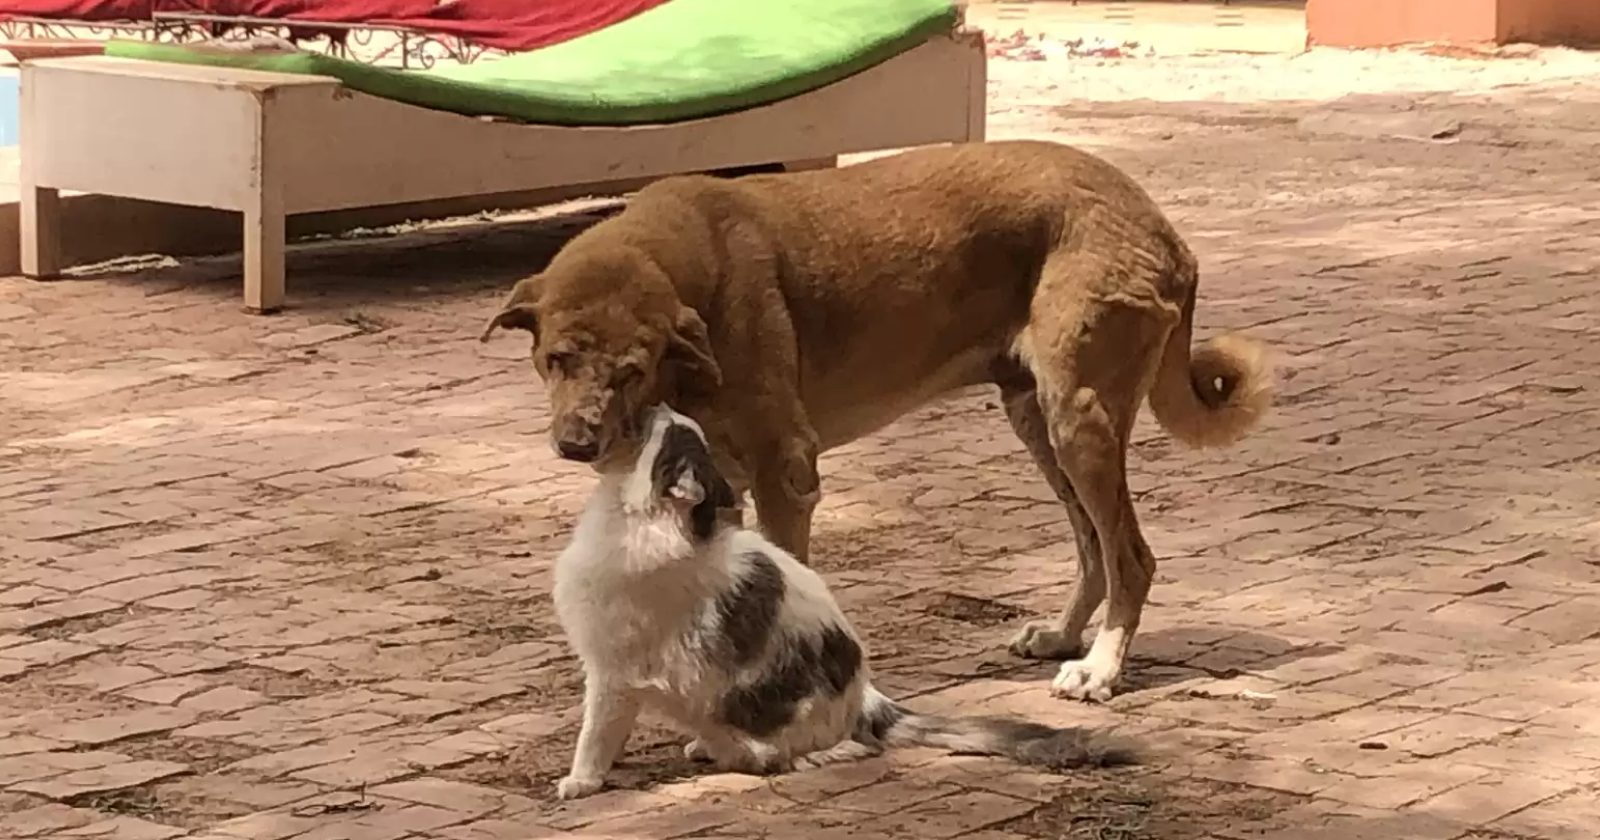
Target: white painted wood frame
268 145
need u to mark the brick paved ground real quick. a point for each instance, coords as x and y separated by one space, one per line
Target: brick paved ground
287 577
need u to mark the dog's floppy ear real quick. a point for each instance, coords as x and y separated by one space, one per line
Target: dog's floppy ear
690 347
518 313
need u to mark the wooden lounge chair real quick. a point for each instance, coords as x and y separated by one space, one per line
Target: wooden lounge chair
269 135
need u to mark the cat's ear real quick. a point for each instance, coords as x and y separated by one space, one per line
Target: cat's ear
687 490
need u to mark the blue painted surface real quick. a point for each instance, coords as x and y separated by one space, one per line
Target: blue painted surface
10 90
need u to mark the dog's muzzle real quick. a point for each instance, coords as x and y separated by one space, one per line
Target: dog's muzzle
576 440
582 452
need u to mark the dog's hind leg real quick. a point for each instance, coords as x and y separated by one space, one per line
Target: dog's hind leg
1094 342
1062 637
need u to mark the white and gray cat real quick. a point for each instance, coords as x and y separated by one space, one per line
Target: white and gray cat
733 639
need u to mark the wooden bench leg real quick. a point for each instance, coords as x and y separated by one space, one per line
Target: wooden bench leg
41 232
264 247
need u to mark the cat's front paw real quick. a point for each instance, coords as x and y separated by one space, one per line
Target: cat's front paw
697 750
577 787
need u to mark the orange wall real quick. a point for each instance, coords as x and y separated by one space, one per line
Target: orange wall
1549 21
1382 23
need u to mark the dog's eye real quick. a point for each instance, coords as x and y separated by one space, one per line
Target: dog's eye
627 375
558 362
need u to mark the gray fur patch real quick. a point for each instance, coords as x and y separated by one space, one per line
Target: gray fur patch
748 612
877 718
1067 748
825 664
838 659
1022 741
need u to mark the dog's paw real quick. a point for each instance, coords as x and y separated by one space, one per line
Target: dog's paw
696 750
1043 640
1081 680
576 787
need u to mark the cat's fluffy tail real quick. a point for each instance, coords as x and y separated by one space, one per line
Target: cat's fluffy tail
1022 741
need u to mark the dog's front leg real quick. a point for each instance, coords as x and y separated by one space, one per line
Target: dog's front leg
787 490
609 711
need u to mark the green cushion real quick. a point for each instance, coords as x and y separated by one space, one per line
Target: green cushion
680 60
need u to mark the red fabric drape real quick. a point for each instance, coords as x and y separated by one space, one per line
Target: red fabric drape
96 10
327 11
516 25
525 24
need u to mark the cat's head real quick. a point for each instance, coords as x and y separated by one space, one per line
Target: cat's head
675 471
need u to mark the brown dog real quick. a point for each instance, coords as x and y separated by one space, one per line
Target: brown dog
793 313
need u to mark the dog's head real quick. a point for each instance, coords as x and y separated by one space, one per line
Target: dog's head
674 472
610 340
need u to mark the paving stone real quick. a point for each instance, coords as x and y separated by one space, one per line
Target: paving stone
273 764
1568 817
110 728
1483 802
112 777
48 819
44 765
46 652
1446 734
454 749
952 816
1409 784
1301 777
311 335
611 804
166 691
668 823
110 677
889 796
371 768
751 793
225 699
503 829
14 745
458 797
1572 621
182 599
827 783
268 825
125 828
524 727
1328 820
150 586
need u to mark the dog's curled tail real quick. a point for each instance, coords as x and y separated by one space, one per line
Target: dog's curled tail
1215 395
1021 741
